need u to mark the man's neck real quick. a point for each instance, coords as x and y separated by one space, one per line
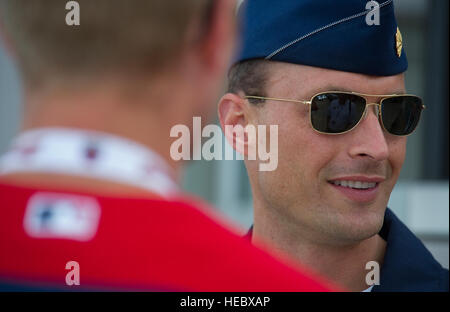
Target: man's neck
143 119
343 264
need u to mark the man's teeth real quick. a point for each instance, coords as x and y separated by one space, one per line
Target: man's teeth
356 184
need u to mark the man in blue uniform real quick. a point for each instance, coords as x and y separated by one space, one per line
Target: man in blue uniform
330 75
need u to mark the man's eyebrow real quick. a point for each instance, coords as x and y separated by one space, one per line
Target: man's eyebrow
343 89
334 88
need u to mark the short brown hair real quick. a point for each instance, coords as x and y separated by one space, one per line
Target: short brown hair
249 77
113 35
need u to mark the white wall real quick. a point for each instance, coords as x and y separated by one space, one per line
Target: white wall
10 98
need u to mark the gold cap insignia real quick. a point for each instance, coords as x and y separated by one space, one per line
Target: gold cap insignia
398 42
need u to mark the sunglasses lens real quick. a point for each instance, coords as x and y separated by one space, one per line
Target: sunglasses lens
401 114
336 112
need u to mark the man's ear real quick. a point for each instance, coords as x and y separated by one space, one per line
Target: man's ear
234 117
218 44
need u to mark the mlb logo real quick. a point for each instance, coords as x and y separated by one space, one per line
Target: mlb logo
62 216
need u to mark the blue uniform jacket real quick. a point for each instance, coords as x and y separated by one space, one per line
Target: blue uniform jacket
408 265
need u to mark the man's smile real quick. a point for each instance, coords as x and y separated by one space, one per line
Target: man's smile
358 188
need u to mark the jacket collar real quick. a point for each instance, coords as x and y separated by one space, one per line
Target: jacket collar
408 265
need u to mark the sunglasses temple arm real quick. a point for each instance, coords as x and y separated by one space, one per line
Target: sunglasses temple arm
277 99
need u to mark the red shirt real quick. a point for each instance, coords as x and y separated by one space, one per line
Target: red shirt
138 244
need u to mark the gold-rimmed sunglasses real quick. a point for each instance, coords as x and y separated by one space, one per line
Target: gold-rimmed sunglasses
338 112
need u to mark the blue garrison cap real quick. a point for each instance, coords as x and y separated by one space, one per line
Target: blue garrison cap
330 34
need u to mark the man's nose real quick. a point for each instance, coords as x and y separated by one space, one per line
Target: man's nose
369 137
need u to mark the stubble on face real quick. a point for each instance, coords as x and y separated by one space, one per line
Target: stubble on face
298 194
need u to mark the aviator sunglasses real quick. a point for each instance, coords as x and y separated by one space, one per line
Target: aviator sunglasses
336 112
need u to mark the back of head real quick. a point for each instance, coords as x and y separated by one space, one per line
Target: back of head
114 36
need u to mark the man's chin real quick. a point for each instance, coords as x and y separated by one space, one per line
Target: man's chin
350 228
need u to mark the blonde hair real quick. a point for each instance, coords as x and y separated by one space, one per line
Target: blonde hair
113 36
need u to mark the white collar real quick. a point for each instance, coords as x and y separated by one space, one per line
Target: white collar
89 154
